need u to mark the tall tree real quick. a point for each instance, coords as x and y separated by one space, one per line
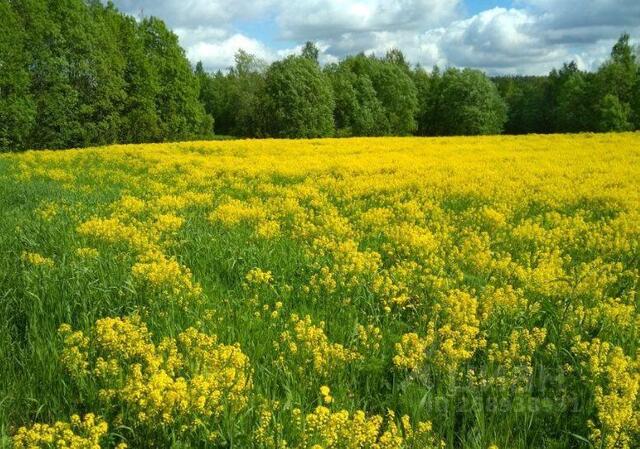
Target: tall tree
615 82
88 75
394 89
56 102
236 100
525 97
299 99
427 88
103 87
614 115
572 111
398 95
140 121
182 116
248 100
467 103
357 112
17 107
310 50
635 102
395 56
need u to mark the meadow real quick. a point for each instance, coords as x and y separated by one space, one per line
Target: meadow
383 293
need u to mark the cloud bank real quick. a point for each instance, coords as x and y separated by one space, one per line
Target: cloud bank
517 36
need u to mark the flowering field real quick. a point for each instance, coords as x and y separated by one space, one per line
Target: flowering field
359 293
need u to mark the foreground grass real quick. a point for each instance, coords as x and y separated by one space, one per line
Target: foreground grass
244 293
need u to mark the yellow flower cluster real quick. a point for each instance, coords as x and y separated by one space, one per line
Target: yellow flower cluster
326 429
256 276
146 237
87 253
615 380
369 338
410 240
513 357
505 301
128 205
452 336
78 433
183 200
325 392
254 213
397 286
307 346
166 276
113 230
235 212
184 381
36 259
411 351
167 223
349 265
47 211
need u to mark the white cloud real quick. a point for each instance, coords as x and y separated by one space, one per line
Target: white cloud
190 37
193 13
582 13
322 19
499 40
531 37
219 54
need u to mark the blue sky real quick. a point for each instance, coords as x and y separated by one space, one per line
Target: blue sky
500 37
477 6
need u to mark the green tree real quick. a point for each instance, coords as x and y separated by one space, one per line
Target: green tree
615 84
55 100
102 86
525 97
218 95
569 100
17 108
398 95
182 116
81 73
427 88
140 121
75 72
310 50
635 102
614 115
299 99
573 113
357 112
466 102
236 100
248 95
395 91
395 56
618 75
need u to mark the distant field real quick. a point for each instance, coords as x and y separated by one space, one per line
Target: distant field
338 293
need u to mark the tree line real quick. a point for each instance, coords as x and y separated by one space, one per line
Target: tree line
572 100
362 95
76 73
365 95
